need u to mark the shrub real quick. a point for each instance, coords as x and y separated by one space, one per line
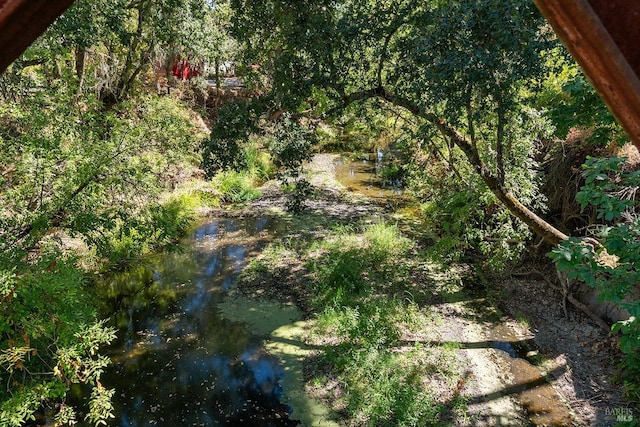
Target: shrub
300 193
471 219
223 151
291 146
46 345
126 237
612 265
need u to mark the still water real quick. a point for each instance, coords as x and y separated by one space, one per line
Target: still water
183 357
178 361
364 175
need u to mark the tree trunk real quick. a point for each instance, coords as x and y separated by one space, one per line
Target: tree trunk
541 227
81 56
134 63
217 65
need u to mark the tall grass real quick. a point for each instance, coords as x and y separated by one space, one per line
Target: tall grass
350 262
236 187
258 162
358 282
239 186
386 243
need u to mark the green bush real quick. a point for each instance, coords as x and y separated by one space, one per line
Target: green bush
46 345
472 220
172 218
612 265
291 145
124 238
299 194
223 151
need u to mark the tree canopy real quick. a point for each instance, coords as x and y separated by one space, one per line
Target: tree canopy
467 69
467 94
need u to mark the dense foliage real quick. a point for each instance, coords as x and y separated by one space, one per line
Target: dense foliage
76 177
236 135
387 59
49 339
464 95
223 150
86 150
610 263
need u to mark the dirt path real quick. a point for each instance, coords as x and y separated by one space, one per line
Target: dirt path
524 362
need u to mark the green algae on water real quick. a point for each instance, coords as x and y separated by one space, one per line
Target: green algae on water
283 331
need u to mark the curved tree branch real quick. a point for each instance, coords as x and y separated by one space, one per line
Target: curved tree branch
541 227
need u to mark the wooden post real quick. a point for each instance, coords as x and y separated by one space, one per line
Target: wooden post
23 21
596 46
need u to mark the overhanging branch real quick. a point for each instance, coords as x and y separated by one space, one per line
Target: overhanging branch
541 227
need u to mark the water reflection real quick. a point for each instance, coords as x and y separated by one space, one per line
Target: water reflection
177 361
364 176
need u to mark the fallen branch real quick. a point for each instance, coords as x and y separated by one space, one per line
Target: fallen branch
589 313
567 295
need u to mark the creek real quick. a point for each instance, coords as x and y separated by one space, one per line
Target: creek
178 360
189 353
365 176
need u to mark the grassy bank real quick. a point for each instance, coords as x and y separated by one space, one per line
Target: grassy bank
367 290
113 189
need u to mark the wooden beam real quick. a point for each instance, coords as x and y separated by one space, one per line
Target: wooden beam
621 18
593 46
23 21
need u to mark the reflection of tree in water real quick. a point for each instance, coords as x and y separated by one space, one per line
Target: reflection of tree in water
177 361
251 389
194 388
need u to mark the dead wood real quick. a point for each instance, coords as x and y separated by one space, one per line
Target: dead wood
563 287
